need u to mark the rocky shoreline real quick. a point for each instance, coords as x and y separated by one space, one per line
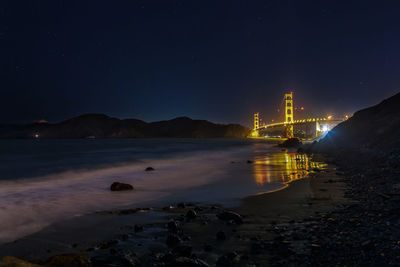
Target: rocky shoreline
365 232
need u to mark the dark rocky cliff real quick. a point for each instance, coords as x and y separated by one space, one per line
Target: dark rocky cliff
102 126
375 128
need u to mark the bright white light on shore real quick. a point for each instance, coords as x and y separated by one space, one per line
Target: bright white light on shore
325 128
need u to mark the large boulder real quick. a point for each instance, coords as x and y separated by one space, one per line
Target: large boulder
117 186
191 215
291 142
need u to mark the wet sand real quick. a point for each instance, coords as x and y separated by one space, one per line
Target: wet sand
265 215
112 235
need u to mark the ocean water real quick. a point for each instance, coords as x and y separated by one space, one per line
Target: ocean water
44 181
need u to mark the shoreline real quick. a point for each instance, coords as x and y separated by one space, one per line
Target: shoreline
149 236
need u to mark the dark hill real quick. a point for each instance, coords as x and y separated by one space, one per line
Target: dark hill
102 126
374 128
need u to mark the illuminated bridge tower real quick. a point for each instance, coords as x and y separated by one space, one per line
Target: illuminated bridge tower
256 120
289 114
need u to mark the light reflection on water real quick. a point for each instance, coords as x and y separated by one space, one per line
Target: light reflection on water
283 167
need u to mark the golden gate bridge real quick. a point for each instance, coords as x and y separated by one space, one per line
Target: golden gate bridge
308 128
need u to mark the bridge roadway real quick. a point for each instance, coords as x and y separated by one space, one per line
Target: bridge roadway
297 122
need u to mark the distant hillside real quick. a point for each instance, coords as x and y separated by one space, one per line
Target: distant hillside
102 126
376 128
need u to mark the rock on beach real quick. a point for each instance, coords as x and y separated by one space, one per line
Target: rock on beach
117 186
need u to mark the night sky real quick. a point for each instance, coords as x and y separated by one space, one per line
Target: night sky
214 60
